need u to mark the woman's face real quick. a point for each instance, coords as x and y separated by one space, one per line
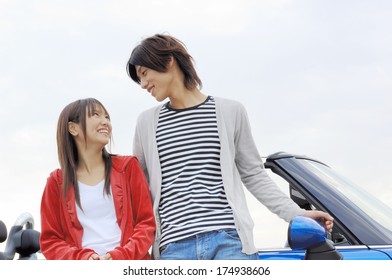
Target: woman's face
158 84
98 129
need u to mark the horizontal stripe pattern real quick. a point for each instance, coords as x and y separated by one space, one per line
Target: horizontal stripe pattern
193 199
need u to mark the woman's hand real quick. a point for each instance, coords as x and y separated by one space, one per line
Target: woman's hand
93 257
106 257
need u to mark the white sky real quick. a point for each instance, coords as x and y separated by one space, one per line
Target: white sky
315 77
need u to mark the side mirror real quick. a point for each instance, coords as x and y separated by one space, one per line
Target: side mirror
306 234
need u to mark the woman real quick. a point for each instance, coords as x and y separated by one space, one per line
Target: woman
97 206
197 151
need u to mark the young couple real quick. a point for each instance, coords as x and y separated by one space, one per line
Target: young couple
180 193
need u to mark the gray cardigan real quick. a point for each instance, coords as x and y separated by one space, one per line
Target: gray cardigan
240 164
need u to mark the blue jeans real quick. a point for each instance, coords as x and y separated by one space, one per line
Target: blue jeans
214 245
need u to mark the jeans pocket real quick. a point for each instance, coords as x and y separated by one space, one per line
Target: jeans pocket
164 248
231 233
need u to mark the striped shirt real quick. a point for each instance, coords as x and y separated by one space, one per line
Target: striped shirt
193 198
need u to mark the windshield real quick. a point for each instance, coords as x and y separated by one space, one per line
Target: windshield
369 204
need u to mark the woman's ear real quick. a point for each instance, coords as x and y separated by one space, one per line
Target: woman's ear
73 128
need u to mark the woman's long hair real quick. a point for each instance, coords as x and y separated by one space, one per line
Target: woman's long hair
66 147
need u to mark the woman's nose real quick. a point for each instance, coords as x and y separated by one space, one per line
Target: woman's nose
105 121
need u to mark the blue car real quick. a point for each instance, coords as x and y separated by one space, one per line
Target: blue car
362 223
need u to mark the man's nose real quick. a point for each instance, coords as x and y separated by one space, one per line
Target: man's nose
143 83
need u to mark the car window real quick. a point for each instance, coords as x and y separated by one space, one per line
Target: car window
369 204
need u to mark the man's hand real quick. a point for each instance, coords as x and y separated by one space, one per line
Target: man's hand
324 218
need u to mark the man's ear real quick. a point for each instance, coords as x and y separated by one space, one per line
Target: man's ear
171 62
73 128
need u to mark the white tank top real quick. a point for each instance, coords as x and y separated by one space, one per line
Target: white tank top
101 231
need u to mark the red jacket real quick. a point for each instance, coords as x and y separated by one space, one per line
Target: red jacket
61 231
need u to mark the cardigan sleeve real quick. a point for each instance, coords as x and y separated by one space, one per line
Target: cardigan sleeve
253 173
55 239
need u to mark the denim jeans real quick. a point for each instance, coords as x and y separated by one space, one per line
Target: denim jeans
214 245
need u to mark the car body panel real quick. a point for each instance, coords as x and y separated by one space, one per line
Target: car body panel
354 253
